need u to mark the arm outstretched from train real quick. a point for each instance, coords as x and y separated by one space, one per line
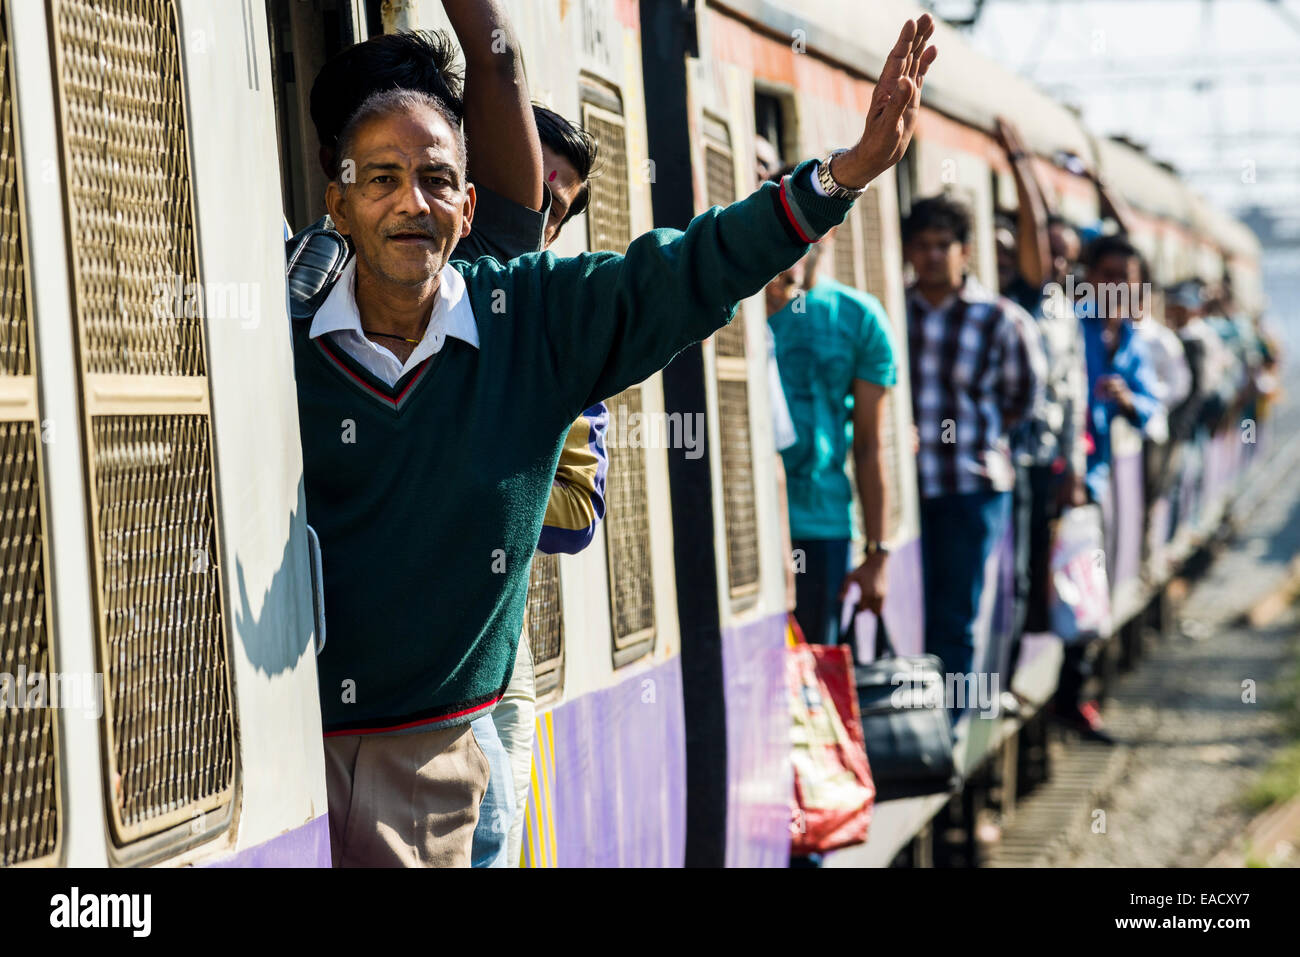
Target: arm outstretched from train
505 151
613 320
1113 205
1033 248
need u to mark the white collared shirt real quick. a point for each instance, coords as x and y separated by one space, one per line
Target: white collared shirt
341 319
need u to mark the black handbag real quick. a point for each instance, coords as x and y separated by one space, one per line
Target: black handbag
904 721
315 258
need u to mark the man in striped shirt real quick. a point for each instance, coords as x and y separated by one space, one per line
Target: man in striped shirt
977 369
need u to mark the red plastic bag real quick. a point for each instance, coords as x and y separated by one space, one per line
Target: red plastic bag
833 791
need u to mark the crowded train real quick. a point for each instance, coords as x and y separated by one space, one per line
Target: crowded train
188 168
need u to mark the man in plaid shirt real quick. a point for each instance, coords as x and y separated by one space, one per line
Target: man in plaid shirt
977 369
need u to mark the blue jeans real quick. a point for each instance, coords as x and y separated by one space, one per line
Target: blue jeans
958 533
497 811
817 587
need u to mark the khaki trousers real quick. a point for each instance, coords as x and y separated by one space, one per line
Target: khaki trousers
404 800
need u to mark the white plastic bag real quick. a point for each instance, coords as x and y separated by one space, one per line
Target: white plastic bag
1080 593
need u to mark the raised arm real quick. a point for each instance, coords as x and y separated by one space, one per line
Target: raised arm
1113 206
613 320
505 154
1033 247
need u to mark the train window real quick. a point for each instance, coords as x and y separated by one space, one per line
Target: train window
627 518
773 111
30 822
844 251
545 622
374 17
980 235
720 190
873 242
739 509
304 34
168 725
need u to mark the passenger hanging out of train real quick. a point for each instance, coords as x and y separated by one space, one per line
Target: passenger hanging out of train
1193 417
1121 382
1121 375
428 490
1050 455
507 224
1237 333
1173 383
832 350
977 370
1172 379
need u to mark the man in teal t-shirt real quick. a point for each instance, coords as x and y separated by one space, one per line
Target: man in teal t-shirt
837 363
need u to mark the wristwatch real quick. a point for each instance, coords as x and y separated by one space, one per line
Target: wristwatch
828 183
877 548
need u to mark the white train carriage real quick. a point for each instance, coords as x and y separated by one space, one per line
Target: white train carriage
152 458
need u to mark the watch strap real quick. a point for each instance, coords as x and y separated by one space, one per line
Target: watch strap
827 181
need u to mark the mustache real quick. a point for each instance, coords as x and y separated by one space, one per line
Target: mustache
417 227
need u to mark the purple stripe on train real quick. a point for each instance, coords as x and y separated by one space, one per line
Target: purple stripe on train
760 783
1128 499
306 846
905 601
620 774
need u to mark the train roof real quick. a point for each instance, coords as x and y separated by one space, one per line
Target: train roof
975 89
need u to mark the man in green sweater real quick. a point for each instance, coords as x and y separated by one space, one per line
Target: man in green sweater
428 491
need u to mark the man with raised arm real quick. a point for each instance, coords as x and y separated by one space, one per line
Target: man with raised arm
513 216
428 492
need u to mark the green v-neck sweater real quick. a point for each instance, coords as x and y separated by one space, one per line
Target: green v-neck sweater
429 496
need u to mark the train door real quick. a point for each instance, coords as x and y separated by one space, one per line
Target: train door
960 161
611 792
303 35
162 550
744 82
32 795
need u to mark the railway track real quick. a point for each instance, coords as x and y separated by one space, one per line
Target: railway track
1188 745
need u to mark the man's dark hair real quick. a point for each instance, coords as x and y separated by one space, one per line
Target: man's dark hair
573 143
388 103
1105 246
938 212
422 60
